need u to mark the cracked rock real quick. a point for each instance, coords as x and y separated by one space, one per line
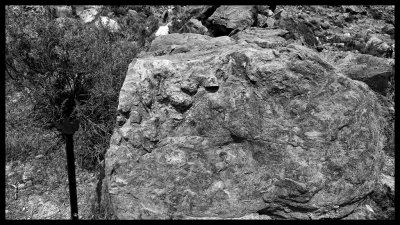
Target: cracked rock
280 134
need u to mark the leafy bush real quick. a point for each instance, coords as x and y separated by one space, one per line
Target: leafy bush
73 69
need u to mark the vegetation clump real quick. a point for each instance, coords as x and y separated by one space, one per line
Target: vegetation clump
69 68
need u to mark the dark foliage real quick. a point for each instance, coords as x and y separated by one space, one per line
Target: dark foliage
74 69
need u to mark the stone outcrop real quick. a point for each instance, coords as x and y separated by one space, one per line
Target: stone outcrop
228 18
241 128
194 26
265 38
376 72
376 46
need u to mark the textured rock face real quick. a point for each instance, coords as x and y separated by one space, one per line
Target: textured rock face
234 17
218 128
194 26
377 73
88 15
374 71
265 38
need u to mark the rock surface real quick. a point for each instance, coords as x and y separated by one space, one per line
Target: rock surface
265 38
88 15
108 23
241 129
376 72
233 17
194 26
63 11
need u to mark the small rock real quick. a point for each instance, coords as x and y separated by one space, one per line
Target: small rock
270 22
376 46
388 181
121 120
88 15
11 174
339 45
163 30
39 156
261 20
320 48
132 12
21 186
388 29
193 26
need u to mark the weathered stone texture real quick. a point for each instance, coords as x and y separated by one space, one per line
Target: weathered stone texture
238 129
233 17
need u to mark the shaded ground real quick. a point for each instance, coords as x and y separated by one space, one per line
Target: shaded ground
36 177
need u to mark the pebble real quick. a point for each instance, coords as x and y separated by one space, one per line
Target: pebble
39 156
325 25
11 174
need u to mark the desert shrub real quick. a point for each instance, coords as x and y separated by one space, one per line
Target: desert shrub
139 28
69 65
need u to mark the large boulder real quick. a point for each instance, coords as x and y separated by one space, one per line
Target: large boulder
240 130
233 17
374 71
378 74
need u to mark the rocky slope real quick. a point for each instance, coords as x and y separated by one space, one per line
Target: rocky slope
265 118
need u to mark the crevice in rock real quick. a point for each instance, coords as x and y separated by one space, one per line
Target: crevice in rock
100 184
237 139
125 114
203 17
186 91
300 209
212 89
270 213
181 108
217 30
